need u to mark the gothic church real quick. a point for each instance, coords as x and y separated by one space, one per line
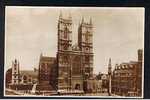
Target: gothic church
74 63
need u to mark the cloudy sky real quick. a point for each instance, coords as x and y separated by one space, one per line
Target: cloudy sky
30 31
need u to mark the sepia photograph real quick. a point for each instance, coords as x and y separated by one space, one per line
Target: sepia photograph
74 51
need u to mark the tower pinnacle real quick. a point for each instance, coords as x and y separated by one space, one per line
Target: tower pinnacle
109 66
109 75
82 20
60 15
90 20
70 17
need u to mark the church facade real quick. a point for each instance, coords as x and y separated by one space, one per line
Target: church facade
74 63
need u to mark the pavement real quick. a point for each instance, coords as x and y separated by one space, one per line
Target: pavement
14 92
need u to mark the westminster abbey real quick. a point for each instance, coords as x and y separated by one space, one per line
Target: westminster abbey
73 66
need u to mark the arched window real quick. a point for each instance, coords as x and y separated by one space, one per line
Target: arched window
15 66
43 67
65 46
24 77
66 59
77 86
86 37
87 59
76 66
65 32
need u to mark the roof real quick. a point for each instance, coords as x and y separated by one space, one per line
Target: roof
133 62
33 74
9 70
46 58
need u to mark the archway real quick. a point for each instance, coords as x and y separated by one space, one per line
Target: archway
24 79
77 86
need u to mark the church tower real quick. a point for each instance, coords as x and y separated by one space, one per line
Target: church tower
64 33
63 52
109 67
109 76
85 43
15 72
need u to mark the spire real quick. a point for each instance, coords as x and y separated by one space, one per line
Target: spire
82 20
18 68
116 66
79 24
90 20
60 15
15 60
109 65
70 17
110 74
41 55
12 62
18 64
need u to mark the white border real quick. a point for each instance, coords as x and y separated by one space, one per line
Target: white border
53 7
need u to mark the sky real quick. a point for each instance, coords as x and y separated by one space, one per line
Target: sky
29 31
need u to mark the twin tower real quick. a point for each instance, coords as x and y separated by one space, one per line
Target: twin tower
85 34
74 62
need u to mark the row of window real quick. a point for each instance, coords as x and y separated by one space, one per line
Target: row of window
125 66
122 74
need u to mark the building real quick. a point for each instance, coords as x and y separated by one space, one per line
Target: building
46 65
15 72
105 83
28 77
127 78
47 74
21 80
74 63
94 85
8 77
